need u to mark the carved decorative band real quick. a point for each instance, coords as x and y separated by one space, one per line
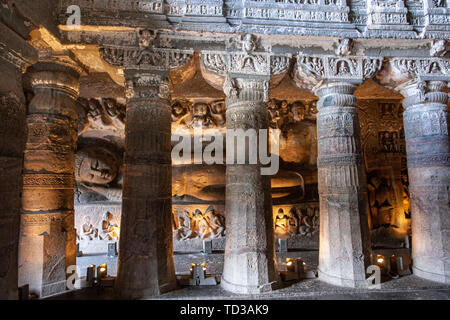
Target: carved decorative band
146 59
442 159
59 81
48 181
424 99
150 158
13 57
326 191
337 69
339 160
28 219
426 68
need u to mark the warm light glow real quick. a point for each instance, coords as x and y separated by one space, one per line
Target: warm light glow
380 259
102 269
289 263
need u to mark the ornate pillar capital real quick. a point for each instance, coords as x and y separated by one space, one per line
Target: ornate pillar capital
150 53
147 84
415 76
246 59
315 72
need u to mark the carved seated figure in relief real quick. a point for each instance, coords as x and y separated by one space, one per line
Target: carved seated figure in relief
309 222
274 114
218 110
281 225
201 116
380 201
186 227
202 225
293 222
179 113
108 230
207 226
88 232
216 223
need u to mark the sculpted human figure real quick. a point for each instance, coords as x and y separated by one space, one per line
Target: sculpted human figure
201 116
179 112
274 114
218 112
108 231
202 224
297 112
88 232
343 68
308 223
380 202
215 223
115 111
293 222
185 230
281 225
95 170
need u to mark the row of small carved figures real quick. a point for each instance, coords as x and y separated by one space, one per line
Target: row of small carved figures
208 115
304 222
210 225
207 225
106 229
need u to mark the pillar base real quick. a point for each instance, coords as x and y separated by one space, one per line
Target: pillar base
437 277
146 293
243 289
341 282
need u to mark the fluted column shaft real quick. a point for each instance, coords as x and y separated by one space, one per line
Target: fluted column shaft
249 265
146 265
345 250
48 241
427 147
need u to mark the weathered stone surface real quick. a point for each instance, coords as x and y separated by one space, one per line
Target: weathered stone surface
47 244
422 82
250 265
15 55
146 251
428 149
344 251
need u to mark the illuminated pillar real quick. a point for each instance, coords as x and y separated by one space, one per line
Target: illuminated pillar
427 147
146 266
344 249
48 239
249 265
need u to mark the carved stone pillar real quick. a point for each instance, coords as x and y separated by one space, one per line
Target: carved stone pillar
345 246
428 153
345 249
249 265
146 265
422 81
12 143
47 243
